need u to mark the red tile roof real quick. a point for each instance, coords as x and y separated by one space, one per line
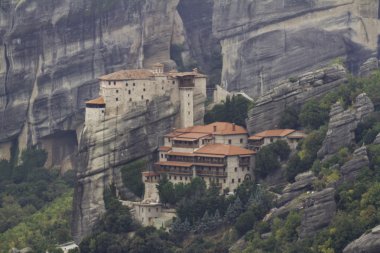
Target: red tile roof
216 128
175 164
272 133
132 74
164 149
97 101
222 149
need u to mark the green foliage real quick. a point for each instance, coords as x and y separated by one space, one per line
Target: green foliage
269 157
131 175
43 229
312 115
25 191
304 159
234 110
367 130
166 191
289 118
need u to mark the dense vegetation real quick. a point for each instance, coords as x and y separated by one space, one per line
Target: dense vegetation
132 179
234 110
35 203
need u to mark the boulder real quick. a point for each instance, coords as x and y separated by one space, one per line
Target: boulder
367 243
377 140
342 124
317 209
303 183
351 169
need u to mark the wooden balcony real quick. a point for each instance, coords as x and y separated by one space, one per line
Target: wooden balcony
211 174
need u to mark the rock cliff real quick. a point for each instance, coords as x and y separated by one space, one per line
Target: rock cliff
368 243
342 124
269 108
52 51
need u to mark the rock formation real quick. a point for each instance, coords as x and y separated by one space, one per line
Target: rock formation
317 209
52 52
303 183
351 169
342 124
368 243
269 108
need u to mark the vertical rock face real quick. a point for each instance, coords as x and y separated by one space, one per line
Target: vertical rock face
267 41
269 108
52 52
342 124
351 169
105 148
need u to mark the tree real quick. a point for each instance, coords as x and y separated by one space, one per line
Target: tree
131 175
245 222
289 118
312 116
166 191
266 161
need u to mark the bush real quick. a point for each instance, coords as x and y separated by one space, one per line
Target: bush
245 222
312 116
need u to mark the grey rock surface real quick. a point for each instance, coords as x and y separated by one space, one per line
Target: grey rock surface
367 243
303 183
342 124
52 52
269 108
351 169
377 140
264 42
317 209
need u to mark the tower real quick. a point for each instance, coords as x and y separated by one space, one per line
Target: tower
186 98
95 110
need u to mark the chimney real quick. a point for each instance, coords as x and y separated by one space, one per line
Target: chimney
214 128
195 70
233 127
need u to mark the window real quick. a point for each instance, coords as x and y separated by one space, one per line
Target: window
239 180
188 104
142 97
173 82
117 99
109 82
175 177
170 177
126 84
185 178
241 140
102 111
233 181
156 209
189 113
162 155
117 91
129 92
144 89
134 84
130 100
229 142
188 95
114 82
224 181
162 87
235 169
180 178
149 210
271 139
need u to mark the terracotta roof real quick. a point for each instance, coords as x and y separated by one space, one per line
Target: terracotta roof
164 148
97 101
191 136
131 74
222 128
273 133
150 173
222 149
176 164
181 154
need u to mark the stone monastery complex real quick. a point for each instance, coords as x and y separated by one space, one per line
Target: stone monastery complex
221 153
